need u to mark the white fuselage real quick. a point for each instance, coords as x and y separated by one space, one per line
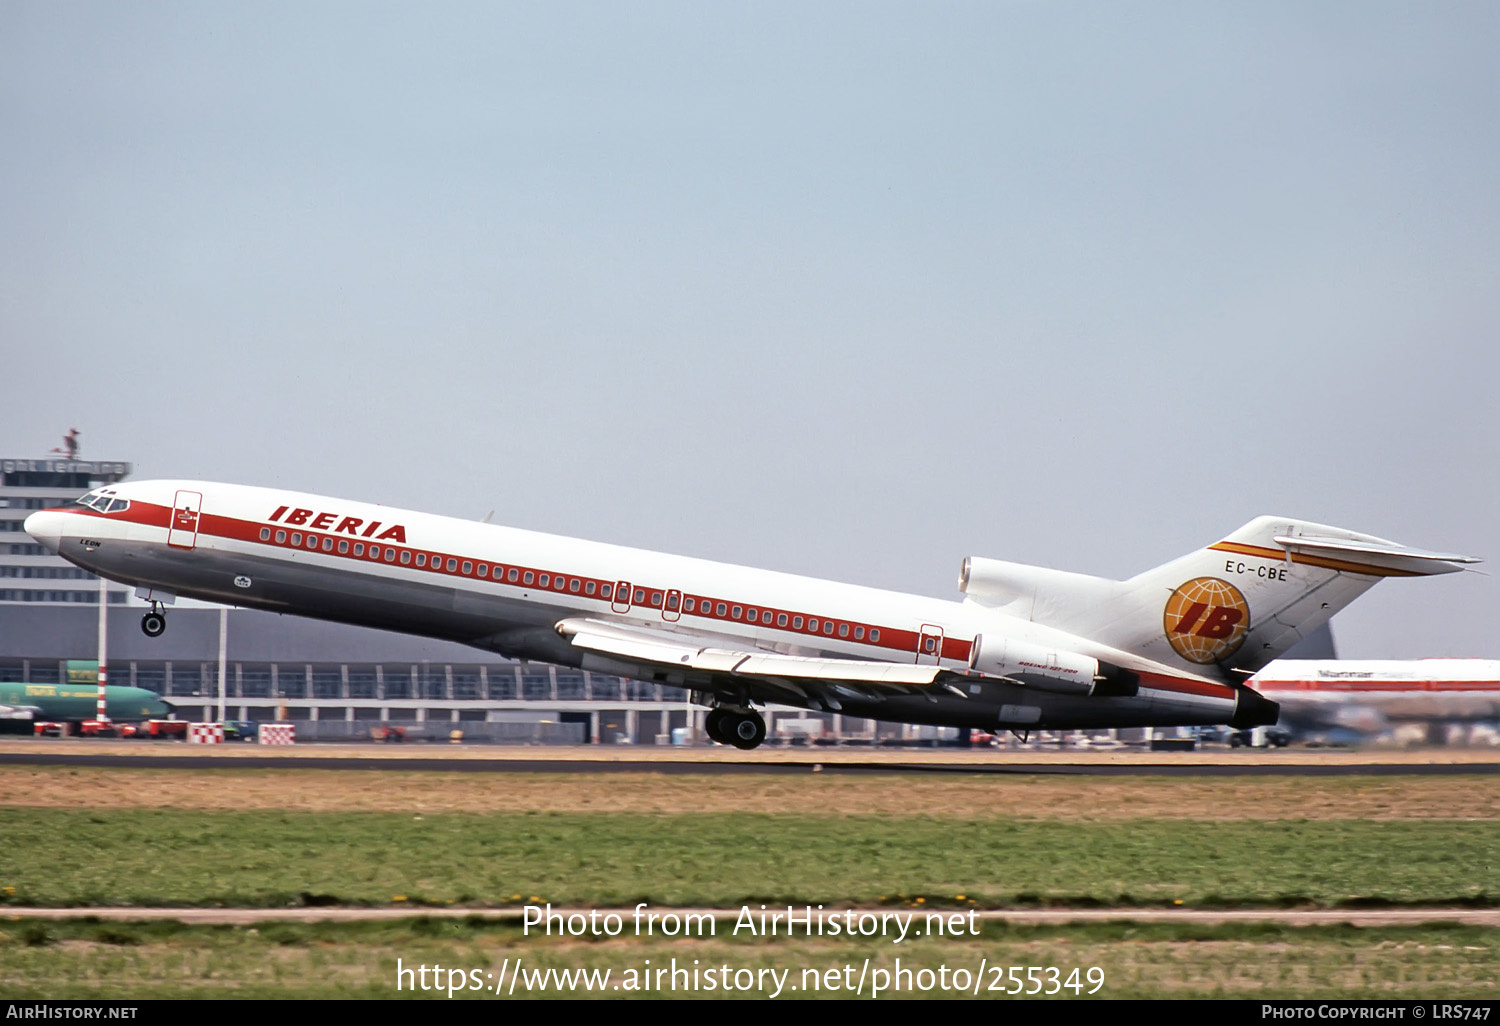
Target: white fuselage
506 590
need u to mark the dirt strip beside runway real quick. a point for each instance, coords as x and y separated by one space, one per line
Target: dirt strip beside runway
1051 916
235 787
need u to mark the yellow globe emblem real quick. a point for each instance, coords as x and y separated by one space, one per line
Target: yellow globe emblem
1206 620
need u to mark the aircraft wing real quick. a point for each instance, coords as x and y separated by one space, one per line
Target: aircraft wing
705 664
19 712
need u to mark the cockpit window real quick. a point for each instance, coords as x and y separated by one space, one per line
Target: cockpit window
103 501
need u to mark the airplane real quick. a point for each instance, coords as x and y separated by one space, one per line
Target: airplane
28 703
1358 699
1027 648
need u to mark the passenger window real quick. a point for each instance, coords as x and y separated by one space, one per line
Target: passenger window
421 559
484 570
843 630
750 615
280 537
528 578
672 602
343 547
296 537
390 556
765 617
781 619
688 605
812 625
545 580
719 609
738 611
590 588
265 534
796 623
827 626
359 549
874 634
405 556
640 596
656 600
513 575
452 565
573 585
327 544
468 567
859 634
606 590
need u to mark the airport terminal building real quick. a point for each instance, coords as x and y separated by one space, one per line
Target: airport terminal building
29 574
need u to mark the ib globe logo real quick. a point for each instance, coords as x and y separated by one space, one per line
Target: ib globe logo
1206 620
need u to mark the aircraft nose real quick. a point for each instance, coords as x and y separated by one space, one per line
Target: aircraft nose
47 528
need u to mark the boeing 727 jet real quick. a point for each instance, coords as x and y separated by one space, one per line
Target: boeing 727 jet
1027 648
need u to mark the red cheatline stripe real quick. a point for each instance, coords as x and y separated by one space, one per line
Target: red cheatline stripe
1344 686
1191 687
652 597
893 639
1306 560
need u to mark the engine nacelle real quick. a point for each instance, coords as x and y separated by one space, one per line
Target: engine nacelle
995 580
1066 672
1053 597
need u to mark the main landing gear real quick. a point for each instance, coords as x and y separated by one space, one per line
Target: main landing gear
154 623
742 728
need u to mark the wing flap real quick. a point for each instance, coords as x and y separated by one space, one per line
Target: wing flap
687 652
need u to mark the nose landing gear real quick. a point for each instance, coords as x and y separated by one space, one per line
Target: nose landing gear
154 623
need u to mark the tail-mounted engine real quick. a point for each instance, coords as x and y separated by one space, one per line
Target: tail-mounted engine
1065 672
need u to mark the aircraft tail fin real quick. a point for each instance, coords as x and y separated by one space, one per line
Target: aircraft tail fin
1235 605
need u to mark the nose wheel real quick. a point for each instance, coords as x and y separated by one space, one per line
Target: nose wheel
154 623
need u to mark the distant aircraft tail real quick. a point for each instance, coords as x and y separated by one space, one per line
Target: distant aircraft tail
1234 606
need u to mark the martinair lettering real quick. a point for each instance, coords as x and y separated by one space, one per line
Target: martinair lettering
348 525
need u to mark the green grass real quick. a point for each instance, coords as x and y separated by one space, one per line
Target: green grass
268 859
82 959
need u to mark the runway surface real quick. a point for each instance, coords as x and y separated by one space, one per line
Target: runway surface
127 754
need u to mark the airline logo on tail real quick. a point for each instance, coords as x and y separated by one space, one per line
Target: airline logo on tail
1206 620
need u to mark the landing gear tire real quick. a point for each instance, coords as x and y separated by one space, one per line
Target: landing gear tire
746 730
153 624
713 726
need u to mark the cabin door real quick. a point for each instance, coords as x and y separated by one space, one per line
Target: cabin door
187 509
929 644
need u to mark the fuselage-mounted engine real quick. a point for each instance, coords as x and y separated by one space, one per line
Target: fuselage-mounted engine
1067 673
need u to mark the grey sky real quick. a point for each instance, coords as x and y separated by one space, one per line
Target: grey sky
847 289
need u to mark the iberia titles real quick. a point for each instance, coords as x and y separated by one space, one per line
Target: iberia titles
346 525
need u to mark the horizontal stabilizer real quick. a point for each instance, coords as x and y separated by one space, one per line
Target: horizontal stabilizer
1366 553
